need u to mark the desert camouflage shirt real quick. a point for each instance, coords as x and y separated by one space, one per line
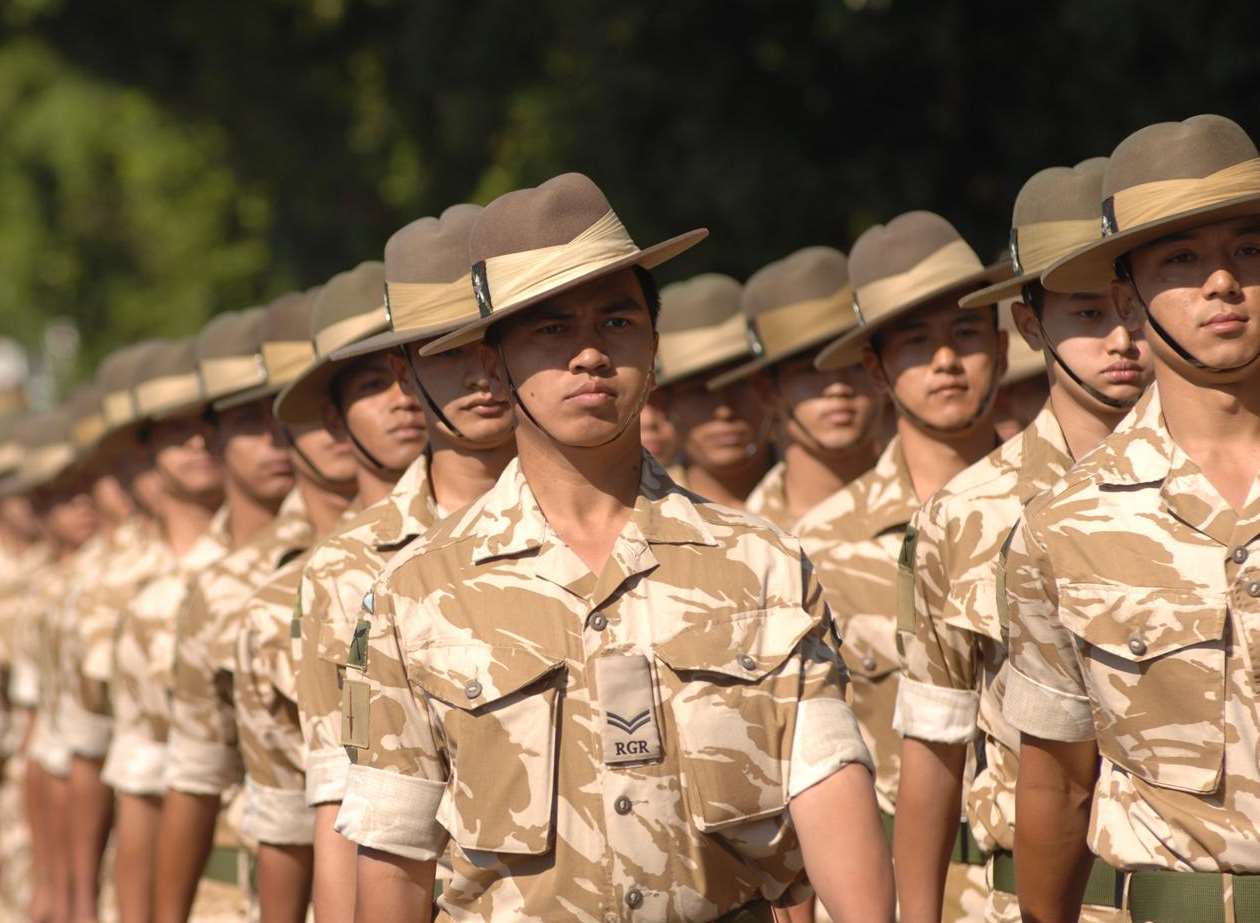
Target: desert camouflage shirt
339 574
265 693
18 631
620 746
202 756
854 539
135 555
144 663
1134 596
54 585
951 636
769 498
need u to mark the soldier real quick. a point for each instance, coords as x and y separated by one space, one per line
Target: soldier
551 665
940 367
826 422
659 435
1025 388
950 631
1132 584
724 434
470 432
202 760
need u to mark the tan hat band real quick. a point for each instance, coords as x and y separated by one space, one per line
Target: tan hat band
412 305
349 329
10 457
951 263
168 391
782 329
701 347
1149 202
286 358
89 429
516 277
119 407
1036 246
223 375
47 462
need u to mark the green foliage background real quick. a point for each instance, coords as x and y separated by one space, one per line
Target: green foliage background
161 162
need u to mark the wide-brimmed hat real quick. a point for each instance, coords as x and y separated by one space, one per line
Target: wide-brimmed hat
285 347
47 441
117 376
700 327
1165 178
428 288
533 244
349 308
792 305
87 418
229 354
10 448
170 385
900 266
1057 212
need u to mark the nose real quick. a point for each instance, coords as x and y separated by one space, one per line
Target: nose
399 399
1120 339
589 358
1223 284
945 358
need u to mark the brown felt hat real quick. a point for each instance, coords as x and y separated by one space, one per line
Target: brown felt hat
284 345
229 353
792 305
10 448
1165 178
170 385
116 377
428 289
1057 212
47 441
87 418
349 307
532 244
700 327
900 266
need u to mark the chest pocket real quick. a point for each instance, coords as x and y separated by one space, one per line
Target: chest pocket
731 692
497 708
1154 664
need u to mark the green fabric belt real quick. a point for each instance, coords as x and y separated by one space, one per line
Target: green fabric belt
1105 887
966 850
754 912
222 864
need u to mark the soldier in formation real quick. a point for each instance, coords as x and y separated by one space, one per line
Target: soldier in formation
492 582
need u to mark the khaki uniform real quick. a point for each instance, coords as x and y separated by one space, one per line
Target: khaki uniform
144 662
1134 595
612 747
340 573
56 584
769 498
265 694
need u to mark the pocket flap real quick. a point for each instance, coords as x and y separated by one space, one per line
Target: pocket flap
1141 623
747 645
470 675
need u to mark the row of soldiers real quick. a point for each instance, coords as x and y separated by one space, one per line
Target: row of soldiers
379 605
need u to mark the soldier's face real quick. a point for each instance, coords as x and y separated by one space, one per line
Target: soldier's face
656 430
720 429
581 361
19 516
254 453
940 362
110 498
182 459
456 381
71 515
1203 286
833 410
333 458
386 420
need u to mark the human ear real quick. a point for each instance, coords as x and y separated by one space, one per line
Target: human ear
1026 323
875 369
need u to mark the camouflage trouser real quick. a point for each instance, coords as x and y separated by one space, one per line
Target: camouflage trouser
966 891
15 845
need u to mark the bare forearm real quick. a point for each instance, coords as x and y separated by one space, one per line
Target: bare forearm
930 792
842 839
393 889
335 860
284 882
185 837
1052 801
92 807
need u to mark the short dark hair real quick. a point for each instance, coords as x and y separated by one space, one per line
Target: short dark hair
647 284
1033 294
877 340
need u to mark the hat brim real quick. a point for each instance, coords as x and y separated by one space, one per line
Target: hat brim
1092 267
248 396
1010 288
848 348
302 400
764 362
182 409
392 339
649 259
734 355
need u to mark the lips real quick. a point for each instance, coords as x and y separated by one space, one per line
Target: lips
1226 322
1122 372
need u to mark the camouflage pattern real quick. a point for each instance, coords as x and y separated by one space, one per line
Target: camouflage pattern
485 734
203 757
265 694
15 840
769 498
339 574
19 631
55 585
1134 598
144 662
854 538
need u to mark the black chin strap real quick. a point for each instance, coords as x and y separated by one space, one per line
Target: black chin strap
428 398
984 408
516 397
1123 273
362 449
324 480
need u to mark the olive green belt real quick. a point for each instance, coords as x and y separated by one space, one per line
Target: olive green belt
223 865
752 912
966 850
1105 887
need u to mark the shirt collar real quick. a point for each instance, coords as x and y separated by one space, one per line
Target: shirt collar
414 506
1140 449
891 500
1045 455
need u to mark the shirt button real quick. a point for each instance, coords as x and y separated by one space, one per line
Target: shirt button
1137 646
747 662
622 805
598 621
472 689
1253 588
1239 555
869 664
634 898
